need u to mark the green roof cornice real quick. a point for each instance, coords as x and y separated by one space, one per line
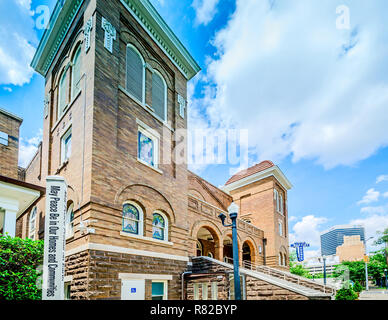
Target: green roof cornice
145 13
142 10
59 24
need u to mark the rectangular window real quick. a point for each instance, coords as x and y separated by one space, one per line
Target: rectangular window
66 146
214 291
204 291
67 291
196 291
281 204
159 290
148 148
280 228
3 138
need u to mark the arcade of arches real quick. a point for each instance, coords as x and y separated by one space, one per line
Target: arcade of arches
211 244
210 238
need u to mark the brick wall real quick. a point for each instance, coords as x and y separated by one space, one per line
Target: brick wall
9 154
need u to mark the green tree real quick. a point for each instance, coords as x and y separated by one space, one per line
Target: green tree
19 262
358 287
299 270
356 269
346 294
383 239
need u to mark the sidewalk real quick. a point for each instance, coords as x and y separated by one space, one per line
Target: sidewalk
374 294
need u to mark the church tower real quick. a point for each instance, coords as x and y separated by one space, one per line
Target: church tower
261 193
116 90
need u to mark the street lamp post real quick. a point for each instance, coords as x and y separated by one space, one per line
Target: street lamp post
366 267
324 270
233 212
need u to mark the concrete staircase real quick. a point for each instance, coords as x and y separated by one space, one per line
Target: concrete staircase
300 281
271 276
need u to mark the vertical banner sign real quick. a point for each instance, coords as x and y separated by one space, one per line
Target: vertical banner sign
299 249
54 239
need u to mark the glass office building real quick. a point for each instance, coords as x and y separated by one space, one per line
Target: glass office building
334 237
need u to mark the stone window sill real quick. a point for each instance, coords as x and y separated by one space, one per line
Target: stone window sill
149 166
146 239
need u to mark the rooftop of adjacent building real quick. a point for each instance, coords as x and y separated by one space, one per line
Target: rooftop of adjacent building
250 171
343 227
11 115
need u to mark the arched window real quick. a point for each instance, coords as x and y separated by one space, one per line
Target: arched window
69 222
159 226
63 93
135 78
210 255
280 259
76 73
132 218
199 249
159 95
32 224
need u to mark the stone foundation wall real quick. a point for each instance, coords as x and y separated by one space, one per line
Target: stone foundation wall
95 274
77 266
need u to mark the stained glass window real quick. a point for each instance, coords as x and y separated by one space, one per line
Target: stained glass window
131 218
146 151
70 221
158 226
32 224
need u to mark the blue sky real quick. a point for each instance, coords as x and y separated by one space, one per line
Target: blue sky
308 80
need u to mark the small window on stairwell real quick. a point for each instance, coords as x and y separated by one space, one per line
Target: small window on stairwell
281 207
32 224
280 228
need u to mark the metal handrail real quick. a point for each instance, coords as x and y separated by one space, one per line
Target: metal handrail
278 273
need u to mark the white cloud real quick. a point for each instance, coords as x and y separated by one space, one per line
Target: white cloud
292 218
299 85
372 224
17 39
308 230
7 89
385 194
383 177
374 210
205 10
28 148
371 196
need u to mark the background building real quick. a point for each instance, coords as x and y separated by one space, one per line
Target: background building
334 237
353 249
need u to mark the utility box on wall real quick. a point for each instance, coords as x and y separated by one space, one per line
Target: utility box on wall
133 290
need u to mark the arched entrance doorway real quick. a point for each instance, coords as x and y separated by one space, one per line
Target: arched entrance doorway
248 255
228 249
207 242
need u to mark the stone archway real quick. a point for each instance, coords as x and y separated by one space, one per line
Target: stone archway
248 255
209 241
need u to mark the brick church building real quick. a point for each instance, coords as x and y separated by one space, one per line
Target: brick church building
115 95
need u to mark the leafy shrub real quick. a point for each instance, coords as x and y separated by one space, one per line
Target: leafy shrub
299 270
19 260
358 287
346 294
